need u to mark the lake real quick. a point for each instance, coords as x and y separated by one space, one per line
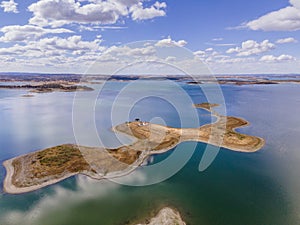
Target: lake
237 188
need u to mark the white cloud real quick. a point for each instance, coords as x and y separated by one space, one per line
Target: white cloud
199 53
141 13
217 39
72 54
102 28
217 42
60 12
286 40
252 47
295 3
212 57
125 52
281 58
171 58
285 19
246 61
9 6
168 42
226 60
225 44
209 56
73 43
54 46
209 49
62 198
27 32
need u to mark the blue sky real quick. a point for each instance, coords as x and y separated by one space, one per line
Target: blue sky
232 36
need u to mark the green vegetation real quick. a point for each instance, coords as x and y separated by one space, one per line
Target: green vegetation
58 156
238 135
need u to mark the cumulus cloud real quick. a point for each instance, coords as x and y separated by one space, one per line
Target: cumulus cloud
168 42
252 47
27 32
286 40
141 13
281 58
210 56
60 12
54 46
125 51
75 54
285 19
52 54
73 43
9 6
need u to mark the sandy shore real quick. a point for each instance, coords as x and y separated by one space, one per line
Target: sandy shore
9 187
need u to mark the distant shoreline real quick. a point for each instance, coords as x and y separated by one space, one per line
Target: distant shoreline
231 79
47 87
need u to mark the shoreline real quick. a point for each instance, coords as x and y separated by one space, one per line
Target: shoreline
209 107
10 188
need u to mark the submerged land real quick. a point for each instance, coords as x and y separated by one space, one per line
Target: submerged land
166 216
41 168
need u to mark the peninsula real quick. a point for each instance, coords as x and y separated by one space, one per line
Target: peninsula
42 168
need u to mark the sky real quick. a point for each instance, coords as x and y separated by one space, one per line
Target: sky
229 37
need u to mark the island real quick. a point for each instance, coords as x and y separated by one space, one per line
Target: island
48 87
41 168
166 216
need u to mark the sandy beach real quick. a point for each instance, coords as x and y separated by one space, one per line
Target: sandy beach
9 187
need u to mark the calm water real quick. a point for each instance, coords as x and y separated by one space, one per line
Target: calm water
238 188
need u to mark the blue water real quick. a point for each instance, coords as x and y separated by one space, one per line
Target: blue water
238 188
